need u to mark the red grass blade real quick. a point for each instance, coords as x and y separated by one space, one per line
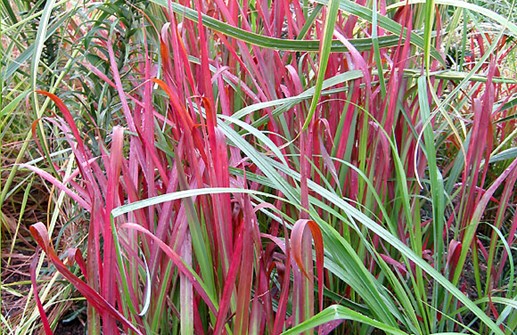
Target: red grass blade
284 295
229 284
76 255
47 176
244 285
176 259
453 255
296 246
188 124
68 118
109 285
118 83
40 235
81 152
401 268
43 315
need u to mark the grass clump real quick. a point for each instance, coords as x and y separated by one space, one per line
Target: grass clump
245 167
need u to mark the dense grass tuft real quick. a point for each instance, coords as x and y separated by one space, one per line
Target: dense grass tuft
251 167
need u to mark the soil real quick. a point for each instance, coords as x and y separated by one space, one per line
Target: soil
74 327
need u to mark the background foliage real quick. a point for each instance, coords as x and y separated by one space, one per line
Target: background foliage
258 167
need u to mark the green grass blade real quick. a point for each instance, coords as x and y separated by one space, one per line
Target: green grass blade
340 313
328 33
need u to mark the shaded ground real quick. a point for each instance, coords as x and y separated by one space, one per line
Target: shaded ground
74 327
